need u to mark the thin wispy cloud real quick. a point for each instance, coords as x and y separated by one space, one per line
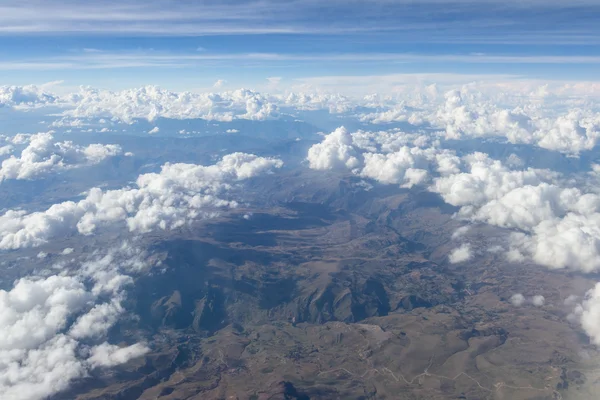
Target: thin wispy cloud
109 60
429 20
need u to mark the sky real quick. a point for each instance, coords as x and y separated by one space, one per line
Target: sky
190 45
132 119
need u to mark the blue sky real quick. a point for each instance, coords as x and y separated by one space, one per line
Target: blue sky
191 44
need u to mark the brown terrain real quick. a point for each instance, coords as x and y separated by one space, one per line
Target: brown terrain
346 294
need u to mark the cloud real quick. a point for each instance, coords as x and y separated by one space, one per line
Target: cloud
169 199
336 151
483 181
588 314
24 96
152 102
219 83
528 115
460 254
558 227
558 116
38 356
460 232
517 300
572 132
108 355
514 22
53 329
156 129
5 150
44 156
555 223
538 300
171 60
97 321
407 167
387 157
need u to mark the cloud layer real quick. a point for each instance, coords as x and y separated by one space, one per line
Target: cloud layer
53 328
165 200
561 117
556 224
152 102
44 155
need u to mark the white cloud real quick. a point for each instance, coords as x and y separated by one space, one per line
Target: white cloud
37 358
538 300
588 314
571 300
44 155
53 329
165 200
388 157
467 112
67 251
97 321
559 116
24 96
517 300
460 254
460 232
156 129
108 355
151 102
555 223
558 227
5 150
219 83
407 167
334 152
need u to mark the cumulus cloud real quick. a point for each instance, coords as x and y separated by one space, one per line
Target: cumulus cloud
108 355
470 112
219 83
97 321
555 223
29 96
335 151
44 155
588 314
152 102
38 357
460 232
460 254
387 157
538 300
517 300
53 329
545 115
166 200
558 226
6 149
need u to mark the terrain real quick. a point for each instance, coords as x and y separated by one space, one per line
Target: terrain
343 291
